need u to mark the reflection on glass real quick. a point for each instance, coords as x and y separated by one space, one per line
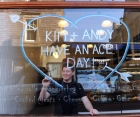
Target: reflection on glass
63 32
63 23
89 63
106 23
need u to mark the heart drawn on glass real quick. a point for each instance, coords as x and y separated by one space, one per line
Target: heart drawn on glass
73 24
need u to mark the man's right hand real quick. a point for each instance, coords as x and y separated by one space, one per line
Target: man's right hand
45 83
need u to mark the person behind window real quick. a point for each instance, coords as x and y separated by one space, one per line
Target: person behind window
66 99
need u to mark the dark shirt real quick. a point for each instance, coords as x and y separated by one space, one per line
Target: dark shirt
66 99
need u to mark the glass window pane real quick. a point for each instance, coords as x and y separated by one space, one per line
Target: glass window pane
31 35
102 45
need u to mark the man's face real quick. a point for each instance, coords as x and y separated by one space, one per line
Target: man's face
67 73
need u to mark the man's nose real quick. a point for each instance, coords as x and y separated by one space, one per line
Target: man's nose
65 72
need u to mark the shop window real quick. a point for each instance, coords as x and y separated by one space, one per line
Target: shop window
31 31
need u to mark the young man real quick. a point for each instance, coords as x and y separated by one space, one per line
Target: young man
66 99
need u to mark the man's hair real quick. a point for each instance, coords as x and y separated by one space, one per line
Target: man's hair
69 65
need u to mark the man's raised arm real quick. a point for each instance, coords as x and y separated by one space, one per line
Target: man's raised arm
44 94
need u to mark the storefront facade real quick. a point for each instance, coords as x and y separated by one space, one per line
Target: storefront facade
100 39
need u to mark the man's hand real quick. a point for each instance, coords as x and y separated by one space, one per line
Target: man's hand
43 92
89 106
94 112
45 83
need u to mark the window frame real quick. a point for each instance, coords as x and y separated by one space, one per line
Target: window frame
63 4
25 36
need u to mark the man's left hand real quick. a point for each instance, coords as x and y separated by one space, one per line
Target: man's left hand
94 112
